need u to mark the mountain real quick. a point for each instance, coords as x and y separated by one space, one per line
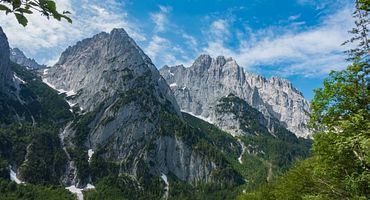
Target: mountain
199 88
31 115
103 123
128 116
17 56
5 71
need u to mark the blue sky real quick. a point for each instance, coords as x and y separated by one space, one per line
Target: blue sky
295 39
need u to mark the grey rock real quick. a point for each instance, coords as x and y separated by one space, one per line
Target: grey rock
6 73
116 82
198 88
17 56
101 67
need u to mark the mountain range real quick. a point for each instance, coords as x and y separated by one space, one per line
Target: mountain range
105 121
17 56
199 88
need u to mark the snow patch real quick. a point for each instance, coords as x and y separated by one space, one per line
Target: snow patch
208 119
78 191
173 85
89 187
60 91
167 188
172 74
45 72
243 151
71 104
90 153
16 78
70 93
13 176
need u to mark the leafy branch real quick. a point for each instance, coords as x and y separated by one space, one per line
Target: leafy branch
20 8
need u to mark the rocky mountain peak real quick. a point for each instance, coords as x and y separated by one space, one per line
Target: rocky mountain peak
17 56
202 63
220 60
198 88
5 70
103 66
128 109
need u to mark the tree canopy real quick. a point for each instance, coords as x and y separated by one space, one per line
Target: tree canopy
340 165
20 8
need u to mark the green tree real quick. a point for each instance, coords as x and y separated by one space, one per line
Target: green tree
360 31
341 117
20 8
340 166
364 5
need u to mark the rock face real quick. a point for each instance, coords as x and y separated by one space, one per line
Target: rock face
99 68
125 103
198 89
5 70
17 56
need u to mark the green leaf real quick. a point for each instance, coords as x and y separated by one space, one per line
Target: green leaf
3 7
57 16
16 4
51 6
23 10
66 18
21 19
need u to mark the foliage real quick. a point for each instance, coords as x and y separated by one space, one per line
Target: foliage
4 169
79 156
100 167
201 143
81 125
294 184
36 150
10 191
20 8
29 136
265 150
364 5
341 113
218 138
180 190
340 166
125 187
44 104
360 31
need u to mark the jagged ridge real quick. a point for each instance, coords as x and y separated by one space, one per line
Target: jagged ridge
198 88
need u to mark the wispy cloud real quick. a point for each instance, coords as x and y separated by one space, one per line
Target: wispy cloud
294 48
294 17
312 52
160 18
220 29
162 50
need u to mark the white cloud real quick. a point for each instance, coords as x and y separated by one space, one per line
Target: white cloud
50 37
162 52
323 4
312 52
190 41
220 29
160 18
294 17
